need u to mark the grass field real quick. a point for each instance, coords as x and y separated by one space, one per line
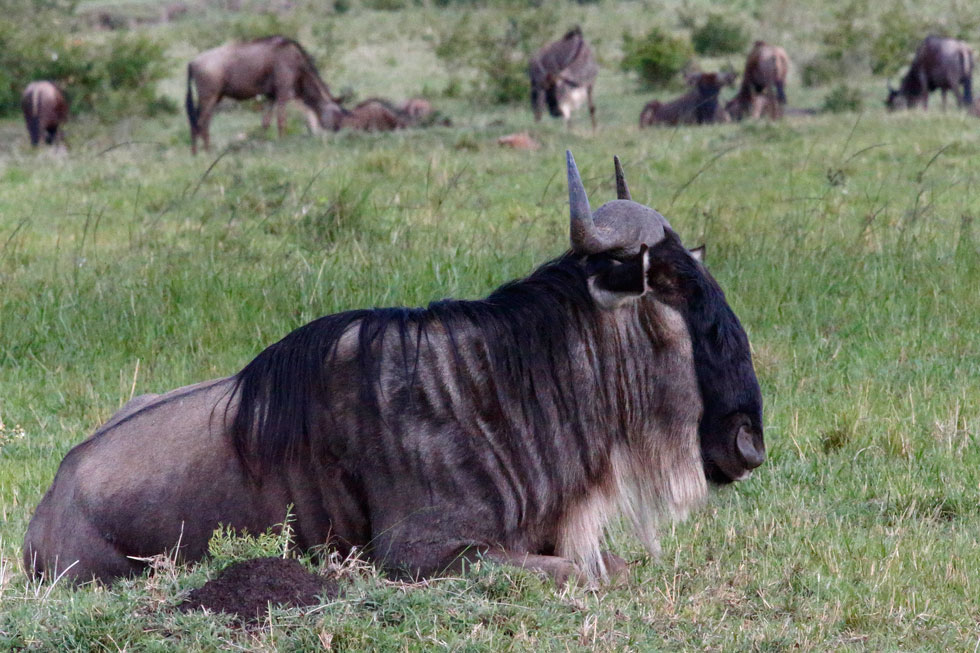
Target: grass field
846 244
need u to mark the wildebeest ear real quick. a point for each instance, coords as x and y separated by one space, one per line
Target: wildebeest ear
617 282
698 253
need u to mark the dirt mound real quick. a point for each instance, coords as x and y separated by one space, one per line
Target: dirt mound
247 588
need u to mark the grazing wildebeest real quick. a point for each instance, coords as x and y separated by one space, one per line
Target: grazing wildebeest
765 74
562 77
699 105
45 108
941 63
613 378
274 67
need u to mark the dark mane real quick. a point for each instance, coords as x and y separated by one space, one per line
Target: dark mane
524 327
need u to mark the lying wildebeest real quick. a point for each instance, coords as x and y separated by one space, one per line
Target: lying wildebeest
275 67
418 109
45 108
699 105
562 77
614 378
765 74
941 63
377 114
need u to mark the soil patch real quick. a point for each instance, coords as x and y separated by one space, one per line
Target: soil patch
246 589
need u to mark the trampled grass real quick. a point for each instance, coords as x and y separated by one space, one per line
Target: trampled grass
846 244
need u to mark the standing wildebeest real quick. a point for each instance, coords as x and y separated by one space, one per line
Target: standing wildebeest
45 108
562 77
275 67
699 105
614 378
941 63
765 74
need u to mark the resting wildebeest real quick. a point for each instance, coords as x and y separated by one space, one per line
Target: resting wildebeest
699 105
562 77
377 114
941 63
614 378
275 67
45 108
765 74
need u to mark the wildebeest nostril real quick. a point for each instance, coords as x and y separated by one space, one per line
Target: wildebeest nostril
747 450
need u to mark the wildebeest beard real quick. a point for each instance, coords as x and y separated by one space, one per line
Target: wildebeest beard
722 359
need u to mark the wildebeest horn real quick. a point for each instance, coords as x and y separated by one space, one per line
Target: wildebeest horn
622 190
583 232
618 227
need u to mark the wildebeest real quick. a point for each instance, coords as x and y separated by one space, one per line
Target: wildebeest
418 109
614 378
378 114
562 77
765 73
275 67
45 109
699 105
941 63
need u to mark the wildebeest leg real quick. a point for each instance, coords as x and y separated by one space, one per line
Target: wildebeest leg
591 107
312 121
267 115
84 553
537 103
281 115
616 567
561 570
943 91
206 109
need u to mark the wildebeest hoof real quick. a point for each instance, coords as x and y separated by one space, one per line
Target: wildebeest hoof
617 569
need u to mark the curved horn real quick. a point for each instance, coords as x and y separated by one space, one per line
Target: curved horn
582 231
622 190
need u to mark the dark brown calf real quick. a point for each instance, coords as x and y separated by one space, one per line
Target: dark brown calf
698 106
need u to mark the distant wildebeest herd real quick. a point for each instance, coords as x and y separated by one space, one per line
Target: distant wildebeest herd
562 78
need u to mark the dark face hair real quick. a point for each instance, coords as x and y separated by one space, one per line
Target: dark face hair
731 425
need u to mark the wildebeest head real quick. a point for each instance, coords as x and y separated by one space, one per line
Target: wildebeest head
623 236
896 99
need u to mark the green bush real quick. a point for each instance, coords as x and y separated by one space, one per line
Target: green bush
496 53
386 5
819 71
719 35
843 98
897 38
112 78
656 58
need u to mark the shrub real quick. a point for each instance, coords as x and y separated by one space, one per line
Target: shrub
845 46
111 78
386 5
896 41
819 71
656 58
719 35
843 98
497 54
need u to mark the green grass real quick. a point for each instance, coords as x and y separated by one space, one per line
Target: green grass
846 244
